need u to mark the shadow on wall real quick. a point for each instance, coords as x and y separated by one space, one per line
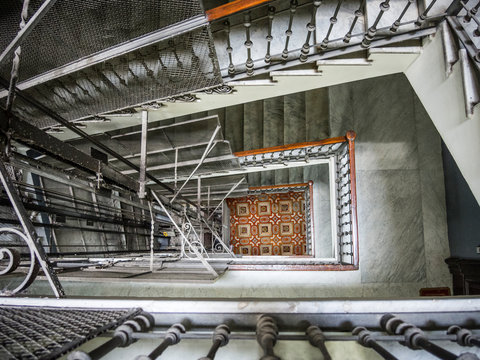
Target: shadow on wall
463 211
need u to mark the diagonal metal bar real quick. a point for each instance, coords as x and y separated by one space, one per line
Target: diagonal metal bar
218 238
205 263
231 190
209 148
143 156
22 34
83 134
30 232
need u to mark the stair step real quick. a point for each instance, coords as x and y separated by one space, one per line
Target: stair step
344 62
308 72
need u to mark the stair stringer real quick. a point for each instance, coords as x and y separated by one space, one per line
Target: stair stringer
442 96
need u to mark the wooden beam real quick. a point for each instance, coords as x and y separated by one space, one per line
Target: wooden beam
232 8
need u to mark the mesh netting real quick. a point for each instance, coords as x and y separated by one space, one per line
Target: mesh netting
73 29
40 333
179 65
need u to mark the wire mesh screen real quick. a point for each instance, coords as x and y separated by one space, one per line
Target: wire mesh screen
182 64
73 29
42 333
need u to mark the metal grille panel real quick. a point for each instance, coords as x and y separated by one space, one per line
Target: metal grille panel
74 29
43 333
179 65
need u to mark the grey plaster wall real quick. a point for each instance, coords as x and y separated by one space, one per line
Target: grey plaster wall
401 206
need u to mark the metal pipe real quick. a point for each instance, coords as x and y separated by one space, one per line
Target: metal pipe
143 156
205 154
231 190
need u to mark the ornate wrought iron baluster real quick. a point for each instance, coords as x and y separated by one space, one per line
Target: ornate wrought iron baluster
464 336
365 339
414 337
358 13
267 332
317 339
333 21
231 67
172 337
220 338
271 14
472 12
310 28
248 44
288 33
423 16
397 22
384 6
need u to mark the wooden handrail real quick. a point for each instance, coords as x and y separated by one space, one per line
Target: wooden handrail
232 8
351 135
268 187
334 140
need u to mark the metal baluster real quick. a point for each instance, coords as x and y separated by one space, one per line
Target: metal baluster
472 12
16 59
310 28
122 337
464 336
358 13
288 33
367 39
365 339
476 32
220 338
267 332
414 337
421 19
248 44
317 339
333 21
172 337
271 14
231 67
397 22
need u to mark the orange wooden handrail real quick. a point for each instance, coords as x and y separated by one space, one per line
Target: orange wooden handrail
268 187
232 8
334 140
351 135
